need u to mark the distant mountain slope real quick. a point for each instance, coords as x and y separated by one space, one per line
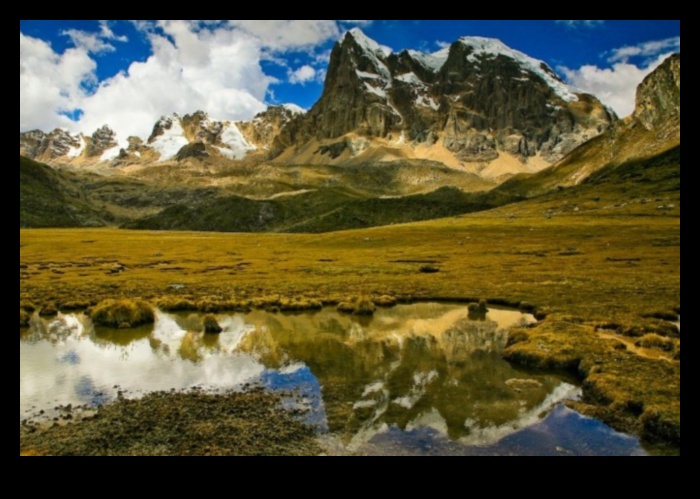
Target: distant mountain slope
325 210
48 199
651 130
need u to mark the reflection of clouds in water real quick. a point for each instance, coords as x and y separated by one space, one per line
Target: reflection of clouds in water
46 379
420 383
408 365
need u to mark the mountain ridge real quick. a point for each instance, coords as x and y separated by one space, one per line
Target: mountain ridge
478 106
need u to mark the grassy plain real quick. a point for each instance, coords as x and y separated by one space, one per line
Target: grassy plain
591 272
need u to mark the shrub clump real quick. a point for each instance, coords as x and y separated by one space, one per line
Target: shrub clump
27 306
122 314
211 325
299 304
175 304
23 318
656 341
359 305
48 311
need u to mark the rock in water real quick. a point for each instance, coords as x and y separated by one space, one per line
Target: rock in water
211 325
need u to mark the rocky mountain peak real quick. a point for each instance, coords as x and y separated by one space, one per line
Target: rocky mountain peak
659 95
101 141
478 98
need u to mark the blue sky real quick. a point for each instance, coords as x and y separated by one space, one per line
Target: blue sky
82 74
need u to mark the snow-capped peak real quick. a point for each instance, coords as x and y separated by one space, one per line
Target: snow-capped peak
170 139
434 61
294 109
492 47
368 44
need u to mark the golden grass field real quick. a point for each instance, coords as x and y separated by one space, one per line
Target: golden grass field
598 280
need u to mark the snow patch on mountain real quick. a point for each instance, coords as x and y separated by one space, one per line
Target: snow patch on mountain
169 143
236 145
110 154
434 61
294 109
373 51
370 45
491 47
74 152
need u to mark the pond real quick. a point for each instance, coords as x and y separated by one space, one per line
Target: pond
421 379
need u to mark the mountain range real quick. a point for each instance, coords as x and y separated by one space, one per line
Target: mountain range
394 137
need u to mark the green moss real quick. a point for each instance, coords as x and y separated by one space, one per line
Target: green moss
122 314
627 391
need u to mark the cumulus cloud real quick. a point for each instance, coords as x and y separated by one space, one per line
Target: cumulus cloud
581 24
302 75
209 65
107 33
217 71
51 85
90 42
279 35
617 85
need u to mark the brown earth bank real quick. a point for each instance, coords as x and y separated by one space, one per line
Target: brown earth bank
586 276
179 424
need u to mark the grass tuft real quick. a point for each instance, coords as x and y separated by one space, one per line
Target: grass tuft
122 314
656 341
211 325
358 305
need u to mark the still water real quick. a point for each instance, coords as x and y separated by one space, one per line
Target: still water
418 379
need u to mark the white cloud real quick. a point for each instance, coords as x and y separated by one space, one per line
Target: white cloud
647 49
615 86
107 33
90 42
581 24
302 75
209 65
289 35
50 84
217 71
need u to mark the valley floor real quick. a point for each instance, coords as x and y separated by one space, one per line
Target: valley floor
592 276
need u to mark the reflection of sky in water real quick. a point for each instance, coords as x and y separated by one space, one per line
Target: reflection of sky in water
562 432
300 380
403 380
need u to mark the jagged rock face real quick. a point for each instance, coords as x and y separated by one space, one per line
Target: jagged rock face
102 140
659 95
46 147
479 97
266 126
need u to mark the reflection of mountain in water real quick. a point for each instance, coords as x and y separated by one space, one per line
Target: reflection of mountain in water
407 371
411 367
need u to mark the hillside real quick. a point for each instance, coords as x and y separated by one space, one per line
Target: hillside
48 198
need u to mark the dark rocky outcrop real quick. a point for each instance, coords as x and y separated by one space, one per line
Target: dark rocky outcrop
659 95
